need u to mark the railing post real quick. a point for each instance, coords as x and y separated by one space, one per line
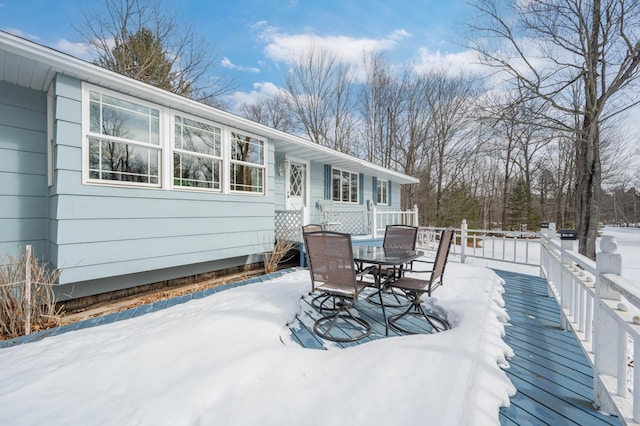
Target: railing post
374 221
415 215
605 336
544 234
463 240
568 238
552 231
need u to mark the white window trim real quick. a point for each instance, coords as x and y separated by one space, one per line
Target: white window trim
86 134
263 166
166 117
386 192
172 150
357 187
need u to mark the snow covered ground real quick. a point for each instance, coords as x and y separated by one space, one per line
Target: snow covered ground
228 359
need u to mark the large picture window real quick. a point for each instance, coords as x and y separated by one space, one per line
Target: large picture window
345 186
197 155
129 141
124 140
247 172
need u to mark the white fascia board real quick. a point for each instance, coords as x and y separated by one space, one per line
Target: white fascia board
86 71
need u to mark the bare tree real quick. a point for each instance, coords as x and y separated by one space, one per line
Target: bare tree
273 111
451 103
321 99
139 39
381 101
587 48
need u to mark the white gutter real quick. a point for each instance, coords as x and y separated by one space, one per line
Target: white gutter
86 71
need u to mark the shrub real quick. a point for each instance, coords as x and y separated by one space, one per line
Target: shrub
43 309
274 257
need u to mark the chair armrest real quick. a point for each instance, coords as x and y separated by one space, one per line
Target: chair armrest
426 262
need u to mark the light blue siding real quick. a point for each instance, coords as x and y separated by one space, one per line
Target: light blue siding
104 231
23 170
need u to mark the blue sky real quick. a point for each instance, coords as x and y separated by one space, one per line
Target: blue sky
256 41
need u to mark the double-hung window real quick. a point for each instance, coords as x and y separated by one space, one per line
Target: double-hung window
345 186
247 165
128 141
382 191
197 154
123 141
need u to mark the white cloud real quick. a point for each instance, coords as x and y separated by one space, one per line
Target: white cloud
261 90
455 63
287 48
226 63
79 50
22 34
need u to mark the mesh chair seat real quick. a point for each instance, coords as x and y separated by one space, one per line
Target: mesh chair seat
333 274
400 237
415 287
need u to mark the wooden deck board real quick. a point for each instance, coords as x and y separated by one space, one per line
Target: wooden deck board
553 377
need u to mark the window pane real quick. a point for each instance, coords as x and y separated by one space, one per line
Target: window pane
198 137
336 185
196 171
247 149
346 183
247 178
122 162
110 116
382 192
354 188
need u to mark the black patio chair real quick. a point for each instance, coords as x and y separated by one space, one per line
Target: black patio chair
321 301
400 237
312 227
397 237
414 288
333 274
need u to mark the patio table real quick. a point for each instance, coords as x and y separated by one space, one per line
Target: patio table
381 256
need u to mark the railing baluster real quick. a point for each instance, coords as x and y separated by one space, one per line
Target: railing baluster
636 382
622 369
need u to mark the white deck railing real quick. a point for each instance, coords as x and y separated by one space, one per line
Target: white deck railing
504 246
381 218
600 307
597 304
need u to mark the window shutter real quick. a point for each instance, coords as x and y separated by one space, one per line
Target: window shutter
327 182
375 191
361 188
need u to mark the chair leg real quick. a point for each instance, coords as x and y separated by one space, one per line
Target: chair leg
347 323
415 309
375 300
325 302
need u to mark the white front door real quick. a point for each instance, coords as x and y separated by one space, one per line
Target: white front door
297 188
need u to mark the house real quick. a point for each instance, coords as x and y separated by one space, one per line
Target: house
121 184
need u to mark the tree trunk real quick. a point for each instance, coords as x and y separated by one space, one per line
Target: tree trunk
588 187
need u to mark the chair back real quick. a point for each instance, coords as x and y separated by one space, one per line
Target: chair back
446 237
400 237
331 260
312 227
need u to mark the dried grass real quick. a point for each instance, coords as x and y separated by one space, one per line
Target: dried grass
276 256
44 313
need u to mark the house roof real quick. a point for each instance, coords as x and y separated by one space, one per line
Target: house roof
32 65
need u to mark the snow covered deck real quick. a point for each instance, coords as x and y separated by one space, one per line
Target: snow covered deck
552 377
